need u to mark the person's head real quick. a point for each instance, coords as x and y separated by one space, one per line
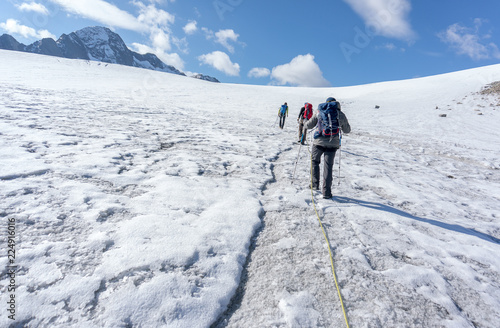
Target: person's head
330 99
286 103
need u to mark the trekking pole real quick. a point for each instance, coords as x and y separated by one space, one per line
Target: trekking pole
340 151
298 156
275 121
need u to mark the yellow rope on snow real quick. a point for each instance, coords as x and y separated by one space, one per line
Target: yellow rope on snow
329 248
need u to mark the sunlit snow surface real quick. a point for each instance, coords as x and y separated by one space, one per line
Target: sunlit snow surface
138 196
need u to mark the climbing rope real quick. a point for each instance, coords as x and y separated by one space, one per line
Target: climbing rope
329 248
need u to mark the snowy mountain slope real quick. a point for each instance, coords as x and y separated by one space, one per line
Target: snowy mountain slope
130 211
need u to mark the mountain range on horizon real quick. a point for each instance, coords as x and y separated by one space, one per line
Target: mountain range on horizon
95 43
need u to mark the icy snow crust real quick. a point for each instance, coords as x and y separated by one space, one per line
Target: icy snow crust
146 199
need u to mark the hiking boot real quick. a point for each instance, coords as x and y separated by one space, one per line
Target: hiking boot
314 187
327 196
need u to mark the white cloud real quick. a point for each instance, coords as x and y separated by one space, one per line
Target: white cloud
301 71
12 26
106 13
172 59
181 44
158 24
208 33
388 18
168 58
103 12
259 72
469 42
141 48
160 39
224 36
220 61
152 16
190 28
33 6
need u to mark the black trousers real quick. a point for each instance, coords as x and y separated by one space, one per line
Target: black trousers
282 121
329 156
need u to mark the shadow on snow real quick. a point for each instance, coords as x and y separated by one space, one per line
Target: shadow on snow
389 209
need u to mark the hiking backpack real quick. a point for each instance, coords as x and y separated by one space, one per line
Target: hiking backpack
283 109
328 120
308 111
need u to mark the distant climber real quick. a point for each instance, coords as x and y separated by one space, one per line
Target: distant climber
305 114
283 113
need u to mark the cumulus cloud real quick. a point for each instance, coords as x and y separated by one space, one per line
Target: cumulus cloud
158 22
190 28
160 39
259 72
102 12
12 26
172 59
141 48
208 33
468 41
301 71
152 16
33 6
181 44
168 58
224 36
221 62
387 18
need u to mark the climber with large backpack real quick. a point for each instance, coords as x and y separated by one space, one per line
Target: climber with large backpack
305 114
329 122
283 113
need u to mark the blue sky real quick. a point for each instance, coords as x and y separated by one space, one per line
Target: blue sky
296 43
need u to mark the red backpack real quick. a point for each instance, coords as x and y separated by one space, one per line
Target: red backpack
308 112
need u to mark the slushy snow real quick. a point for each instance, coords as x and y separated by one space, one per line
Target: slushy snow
146 199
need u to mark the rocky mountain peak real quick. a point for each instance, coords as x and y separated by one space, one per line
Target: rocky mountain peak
96 43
